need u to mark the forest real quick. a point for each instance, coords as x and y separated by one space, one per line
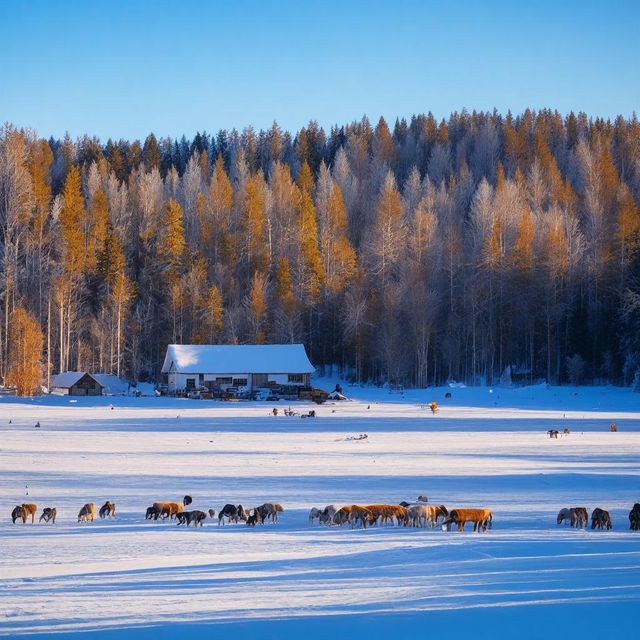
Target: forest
429 251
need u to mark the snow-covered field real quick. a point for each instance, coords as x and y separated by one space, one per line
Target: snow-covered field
485 448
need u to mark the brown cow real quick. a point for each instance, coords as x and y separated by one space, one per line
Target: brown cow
48 515
481 518
88 513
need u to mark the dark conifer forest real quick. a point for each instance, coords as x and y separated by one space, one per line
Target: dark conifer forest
411 253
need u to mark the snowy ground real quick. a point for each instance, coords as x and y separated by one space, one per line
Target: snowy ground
485 448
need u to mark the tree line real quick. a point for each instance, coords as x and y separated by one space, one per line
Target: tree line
429 251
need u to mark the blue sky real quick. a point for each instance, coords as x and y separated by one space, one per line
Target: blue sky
121 69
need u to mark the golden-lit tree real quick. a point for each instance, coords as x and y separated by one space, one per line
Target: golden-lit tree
25 353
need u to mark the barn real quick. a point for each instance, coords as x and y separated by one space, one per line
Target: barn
245 367
76 383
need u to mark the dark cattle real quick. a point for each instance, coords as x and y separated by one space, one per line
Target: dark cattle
16 514
553 433
187 500
600 519
634 517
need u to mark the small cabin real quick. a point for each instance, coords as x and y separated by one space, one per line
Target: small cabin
76 383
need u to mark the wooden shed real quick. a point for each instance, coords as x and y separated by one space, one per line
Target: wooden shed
76 383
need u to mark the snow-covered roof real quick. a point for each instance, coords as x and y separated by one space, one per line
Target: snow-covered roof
67 379
237 358
111 383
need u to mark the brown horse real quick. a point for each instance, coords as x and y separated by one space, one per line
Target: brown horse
88 513
29 510
481 518
107 510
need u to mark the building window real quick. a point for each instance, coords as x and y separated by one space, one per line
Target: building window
239 382
296 378
223 380
191 383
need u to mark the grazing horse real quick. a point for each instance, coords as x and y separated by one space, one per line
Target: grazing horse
48 515
107 510
634 517
440 511
169 509
581 516
341 516
269 510
481 518
314 514
326 517
28 510
600 519
553 433
385 513
232 513
420 515
566 515
153 513
16 513
359 514
87 513
197 517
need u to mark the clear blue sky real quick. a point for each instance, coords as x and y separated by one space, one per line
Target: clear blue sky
117 68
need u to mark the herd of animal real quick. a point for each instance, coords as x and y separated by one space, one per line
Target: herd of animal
233 513
578 517
407 514
418 514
